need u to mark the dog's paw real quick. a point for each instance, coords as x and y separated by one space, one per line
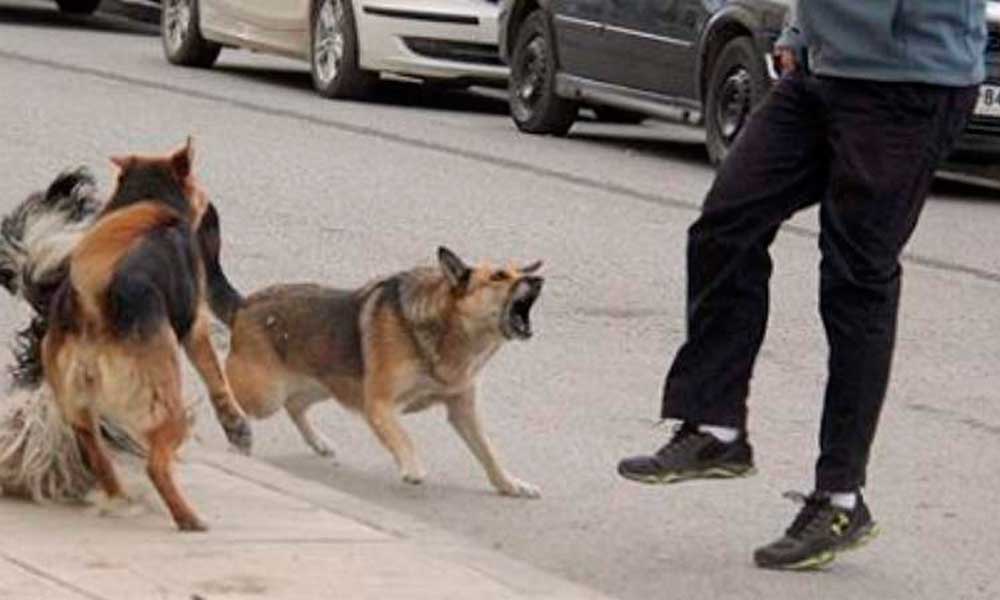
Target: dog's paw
118 507
515 488
323 448
191 524
414 476
239 434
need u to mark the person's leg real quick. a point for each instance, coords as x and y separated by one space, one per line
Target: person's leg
777 165
887 140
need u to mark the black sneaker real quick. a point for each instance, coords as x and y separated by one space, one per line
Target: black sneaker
691 454
818 533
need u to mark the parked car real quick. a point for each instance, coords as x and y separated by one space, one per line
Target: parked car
981 141
711 58
348 43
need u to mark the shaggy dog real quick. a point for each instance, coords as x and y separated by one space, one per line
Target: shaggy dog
39 457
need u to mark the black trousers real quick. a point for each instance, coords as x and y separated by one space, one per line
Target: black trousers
866 152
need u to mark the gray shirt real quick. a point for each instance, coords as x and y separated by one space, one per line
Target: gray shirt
939 42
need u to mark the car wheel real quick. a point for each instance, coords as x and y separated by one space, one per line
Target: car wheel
334 52
534 105
610 114
180 32
78 7
737 83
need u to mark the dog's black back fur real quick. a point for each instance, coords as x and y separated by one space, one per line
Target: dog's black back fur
156 281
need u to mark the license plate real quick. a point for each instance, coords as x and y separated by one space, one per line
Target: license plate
989 101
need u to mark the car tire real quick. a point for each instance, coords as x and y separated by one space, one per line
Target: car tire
534 104
611 114
78 7
333 52
738 81
180 33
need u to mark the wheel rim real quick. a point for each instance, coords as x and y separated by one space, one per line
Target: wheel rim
734 104
530 77
328 40
177 22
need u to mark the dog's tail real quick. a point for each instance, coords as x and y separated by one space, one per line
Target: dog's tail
39 456
224 300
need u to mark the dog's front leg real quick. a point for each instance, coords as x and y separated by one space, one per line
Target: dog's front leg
464 417
380 412
201 353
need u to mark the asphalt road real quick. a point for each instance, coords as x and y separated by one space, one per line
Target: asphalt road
337 192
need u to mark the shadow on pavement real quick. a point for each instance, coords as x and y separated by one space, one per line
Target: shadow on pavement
389 92
42 18
950 189
370 485
649 142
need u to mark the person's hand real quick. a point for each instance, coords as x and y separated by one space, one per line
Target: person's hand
785 59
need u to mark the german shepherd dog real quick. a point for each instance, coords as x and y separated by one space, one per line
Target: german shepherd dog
135 292
407 341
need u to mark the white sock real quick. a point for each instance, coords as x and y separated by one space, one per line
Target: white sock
726 435
844 500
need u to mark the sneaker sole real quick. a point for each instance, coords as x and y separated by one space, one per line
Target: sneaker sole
733 472
818 561
811 563
863 539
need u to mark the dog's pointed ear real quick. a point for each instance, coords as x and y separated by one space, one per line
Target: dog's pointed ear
182 159
454 269
529 269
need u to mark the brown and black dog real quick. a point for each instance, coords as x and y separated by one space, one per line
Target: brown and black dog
134 295
403 342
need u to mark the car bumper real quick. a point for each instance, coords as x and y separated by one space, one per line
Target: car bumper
980 143
439 39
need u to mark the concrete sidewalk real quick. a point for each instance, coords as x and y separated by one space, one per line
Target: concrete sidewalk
273 536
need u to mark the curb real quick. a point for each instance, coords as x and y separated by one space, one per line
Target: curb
524 581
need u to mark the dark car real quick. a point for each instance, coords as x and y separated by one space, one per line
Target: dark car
708 58
981 142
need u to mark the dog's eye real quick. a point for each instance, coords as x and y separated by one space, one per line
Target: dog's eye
500 276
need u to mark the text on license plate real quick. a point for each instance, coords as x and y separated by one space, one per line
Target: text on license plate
989 101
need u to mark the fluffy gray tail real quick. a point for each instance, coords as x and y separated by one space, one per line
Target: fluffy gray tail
39 456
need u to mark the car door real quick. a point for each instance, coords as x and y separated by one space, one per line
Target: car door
653 43
580 43
277 25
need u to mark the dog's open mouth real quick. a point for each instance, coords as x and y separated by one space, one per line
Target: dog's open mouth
516 321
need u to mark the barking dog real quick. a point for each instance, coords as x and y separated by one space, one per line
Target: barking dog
407 342
134 292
